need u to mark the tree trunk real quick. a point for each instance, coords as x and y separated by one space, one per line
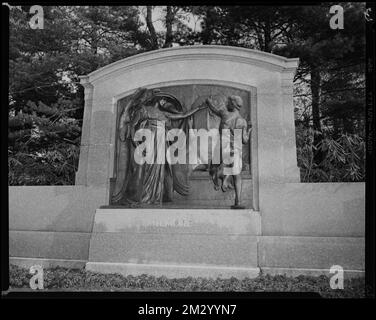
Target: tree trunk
267 37
205 34
94 46
315 90
169 22
149 23
260 38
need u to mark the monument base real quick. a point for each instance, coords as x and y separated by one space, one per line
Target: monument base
173 271
175 242
203 195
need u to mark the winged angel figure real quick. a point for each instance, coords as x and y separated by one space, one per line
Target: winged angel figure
149 183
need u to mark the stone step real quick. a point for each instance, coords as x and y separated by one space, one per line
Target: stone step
170 220
205 204
183 242
185 204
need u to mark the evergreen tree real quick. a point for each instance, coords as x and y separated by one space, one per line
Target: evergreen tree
45 99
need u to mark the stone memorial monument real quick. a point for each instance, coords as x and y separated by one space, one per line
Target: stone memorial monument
176 217
171 140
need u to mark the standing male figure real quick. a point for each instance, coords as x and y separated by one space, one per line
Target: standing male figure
231 120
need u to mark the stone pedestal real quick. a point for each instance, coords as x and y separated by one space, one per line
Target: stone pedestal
175 242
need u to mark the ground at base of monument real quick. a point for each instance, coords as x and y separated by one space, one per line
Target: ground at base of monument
175 205
63 279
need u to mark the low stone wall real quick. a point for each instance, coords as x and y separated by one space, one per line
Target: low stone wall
305 227
309 227
313 209
52 223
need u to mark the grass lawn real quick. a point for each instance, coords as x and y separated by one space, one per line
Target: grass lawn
81 280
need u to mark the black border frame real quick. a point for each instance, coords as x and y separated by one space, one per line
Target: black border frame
196 297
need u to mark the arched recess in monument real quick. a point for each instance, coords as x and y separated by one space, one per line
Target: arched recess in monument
192 93
265 78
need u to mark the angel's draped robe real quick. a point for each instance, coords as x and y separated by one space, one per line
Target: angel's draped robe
149 183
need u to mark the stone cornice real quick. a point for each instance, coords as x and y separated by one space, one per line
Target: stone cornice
201 52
